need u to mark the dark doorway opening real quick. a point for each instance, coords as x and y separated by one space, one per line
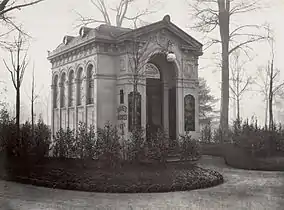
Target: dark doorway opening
153 105
172 113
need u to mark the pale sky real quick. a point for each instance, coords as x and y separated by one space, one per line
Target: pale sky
50 20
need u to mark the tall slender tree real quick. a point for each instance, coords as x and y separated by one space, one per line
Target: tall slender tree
270 84
222 15
240 81
17 69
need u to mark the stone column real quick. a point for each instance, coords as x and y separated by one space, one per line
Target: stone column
76 104
165 106
67 101
85 100
60 104
143 104
180 108
52 111
95 89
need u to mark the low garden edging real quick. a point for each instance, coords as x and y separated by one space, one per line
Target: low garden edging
238 158
126 178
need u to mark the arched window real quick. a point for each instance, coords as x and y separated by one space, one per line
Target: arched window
71 93
55 92
63 90
90 85
80 87
189 113
134 115
121 97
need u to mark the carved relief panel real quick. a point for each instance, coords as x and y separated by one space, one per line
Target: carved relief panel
190 69
122 63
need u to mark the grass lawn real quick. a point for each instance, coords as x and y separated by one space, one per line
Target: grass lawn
127 178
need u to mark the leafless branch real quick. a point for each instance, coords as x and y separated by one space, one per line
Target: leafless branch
5 8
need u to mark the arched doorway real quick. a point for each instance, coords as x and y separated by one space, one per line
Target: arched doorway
161 97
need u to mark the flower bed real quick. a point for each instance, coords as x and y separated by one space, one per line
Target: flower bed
126 178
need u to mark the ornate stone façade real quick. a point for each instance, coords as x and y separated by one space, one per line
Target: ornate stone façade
92 78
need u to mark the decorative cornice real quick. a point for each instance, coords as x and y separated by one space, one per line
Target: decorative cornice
94 38
105 76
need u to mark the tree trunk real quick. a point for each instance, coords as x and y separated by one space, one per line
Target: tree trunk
224 33
266 109
18 104
134 107
32 105
238 109
32 112
271 97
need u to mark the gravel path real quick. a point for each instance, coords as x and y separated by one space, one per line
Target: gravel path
241 190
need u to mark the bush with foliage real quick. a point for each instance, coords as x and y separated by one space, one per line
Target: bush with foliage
158 146
63 143
85 142
190 148
135 148
207 133
8 141
29 143
107 146
255 140
42 139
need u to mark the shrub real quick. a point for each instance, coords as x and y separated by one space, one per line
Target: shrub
85 142
107 146
158 145
8 139
27 144
206 133
135 148
189 148
42 139
63 143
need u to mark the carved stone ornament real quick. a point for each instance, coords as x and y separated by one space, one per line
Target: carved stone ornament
189 69
122 64
151 71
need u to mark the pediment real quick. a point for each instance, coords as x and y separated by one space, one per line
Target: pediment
115 35
163 30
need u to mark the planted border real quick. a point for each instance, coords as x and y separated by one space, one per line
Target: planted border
128 178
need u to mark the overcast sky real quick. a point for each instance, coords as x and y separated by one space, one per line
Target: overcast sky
50 20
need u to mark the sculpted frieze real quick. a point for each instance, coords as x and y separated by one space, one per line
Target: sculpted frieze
189 69
73 56
190 84
122 64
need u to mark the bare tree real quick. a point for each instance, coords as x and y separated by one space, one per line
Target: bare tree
136 53
211 15
46 103
121 13
19 64
240 81
270 85
33 99
7 7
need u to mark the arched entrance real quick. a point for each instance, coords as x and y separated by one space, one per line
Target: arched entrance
161 97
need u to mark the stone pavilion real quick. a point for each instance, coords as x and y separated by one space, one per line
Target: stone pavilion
93 77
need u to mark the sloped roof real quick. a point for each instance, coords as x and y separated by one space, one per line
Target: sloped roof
117 34
105 32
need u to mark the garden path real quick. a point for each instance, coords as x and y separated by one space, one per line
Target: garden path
241 190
